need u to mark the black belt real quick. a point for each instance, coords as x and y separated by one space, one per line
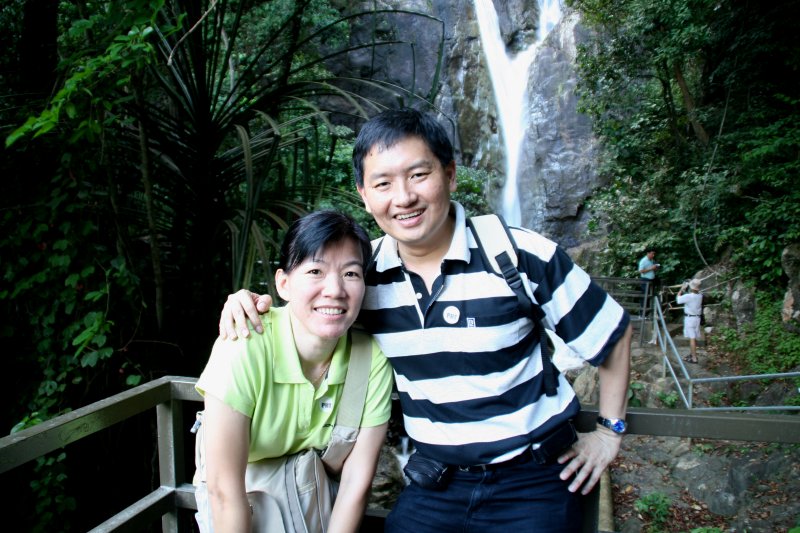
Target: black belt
543 452
693 315
520 459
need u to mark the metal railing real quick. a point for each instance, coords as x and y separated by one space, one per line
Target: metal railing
633 294
176 492
674 364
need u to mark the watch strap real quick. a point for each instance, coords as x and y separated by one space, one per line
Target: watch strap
617 425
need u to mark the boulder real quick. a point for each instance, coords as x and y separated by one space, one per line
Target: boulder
586 385
743 304
388 481
790 261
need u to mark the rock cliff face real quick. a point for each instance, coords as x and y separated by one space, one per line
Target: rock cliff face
557 171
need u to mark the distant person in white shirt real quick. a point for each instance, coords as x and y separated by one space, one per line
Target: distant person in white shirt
692 303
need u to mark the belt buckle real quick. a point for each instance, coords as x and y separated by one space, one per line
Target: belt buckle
474 468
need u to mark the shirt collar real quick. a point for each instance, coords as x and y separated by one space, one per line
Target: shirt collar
388 256
286 360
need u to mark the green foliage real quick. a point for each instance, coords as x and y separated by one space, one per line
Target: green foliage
471 191
57 299
181 139
656 508
670 399
716 399
770 169
703 448
760 346
52 502
633 389
706 530
62 295
83 100
699 129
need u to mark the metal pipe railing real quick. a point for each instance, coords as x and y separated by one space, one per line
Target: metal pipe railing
668 348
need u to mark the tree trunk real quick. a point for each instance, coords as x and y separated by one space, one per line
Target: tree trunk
155 250
666 93
38 47
688 101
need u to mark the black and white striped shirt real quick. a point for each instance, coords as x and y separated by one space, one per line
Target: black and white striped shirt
466 361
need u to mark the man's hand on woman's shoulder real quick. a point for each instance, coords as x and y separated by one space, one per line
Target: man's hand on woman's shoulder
239 308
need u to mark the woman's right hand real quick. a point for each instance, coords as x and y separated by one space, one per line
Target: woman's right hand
239 308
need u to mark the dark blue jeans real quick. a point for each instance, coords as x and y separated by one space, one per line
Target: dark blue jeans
521 498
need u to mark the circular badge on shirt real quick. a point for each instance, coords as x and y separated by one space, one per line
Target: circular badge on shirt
451 314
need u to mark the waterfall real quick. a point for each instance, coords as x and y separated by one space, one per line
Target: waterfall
510 80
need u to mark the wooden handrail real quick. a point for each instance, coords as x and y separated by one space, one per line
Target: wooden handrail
176 492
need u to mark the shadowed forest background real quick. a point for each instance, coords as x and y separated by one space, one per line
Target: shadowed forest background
155 150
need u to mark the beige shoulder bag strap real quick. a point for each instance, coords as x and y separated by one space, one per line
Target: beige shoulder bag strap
348 421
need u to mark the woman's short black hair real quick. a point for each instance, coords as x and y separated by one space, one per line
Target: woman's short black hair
394 125
313 232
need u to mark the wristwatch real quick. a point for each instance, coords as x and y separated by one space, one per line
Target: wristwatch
617 425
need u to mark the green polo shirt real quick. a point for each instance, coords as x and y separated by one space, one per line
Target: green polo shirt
261 378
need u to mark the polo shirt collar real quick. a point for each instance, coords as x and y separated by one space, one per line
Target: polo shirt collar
286 360
388 256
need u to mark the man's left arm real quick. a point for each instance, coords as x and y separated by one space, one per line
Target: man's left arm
589 457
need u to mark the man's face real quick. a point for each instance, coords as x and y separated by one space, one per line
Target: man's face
651 255
407 191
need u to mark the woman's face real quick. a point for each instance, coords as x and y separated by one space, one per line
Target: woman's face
325 291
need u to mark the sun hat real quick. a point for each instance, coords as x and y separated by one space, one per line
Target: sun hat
695 284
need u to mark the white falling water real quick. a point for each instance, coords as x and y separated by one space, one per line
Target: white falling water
510 81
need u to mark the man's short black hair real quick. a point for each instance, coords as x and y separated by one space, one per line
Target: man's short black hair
313 232
392 126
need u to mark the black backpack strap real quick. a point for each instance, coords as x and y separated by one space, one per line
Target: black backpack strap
376 248
502 255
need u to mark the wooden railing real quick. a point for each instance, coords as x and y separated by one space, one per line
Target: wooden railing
176 492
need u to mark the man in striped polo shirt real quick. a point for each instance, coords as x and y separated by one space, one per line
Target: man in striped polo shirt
495 449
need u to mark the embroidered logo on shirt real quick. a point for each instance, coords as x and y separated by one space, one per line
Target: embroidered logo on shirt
326 405
451 314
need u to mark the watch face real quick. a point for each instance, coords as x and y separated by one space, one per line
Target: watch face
617 425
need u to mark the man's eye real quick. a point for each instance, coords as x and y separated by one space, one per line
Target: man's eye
352 274
382 185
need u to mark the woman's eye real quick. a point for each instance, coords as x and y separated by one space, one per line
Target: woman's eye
352 274
315 272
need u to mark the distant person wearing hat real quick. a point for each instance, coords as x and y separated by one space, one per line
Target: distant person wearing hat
692 303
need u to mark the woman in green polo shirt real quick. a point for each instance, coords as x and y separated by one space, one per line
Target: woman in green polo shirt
277 394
